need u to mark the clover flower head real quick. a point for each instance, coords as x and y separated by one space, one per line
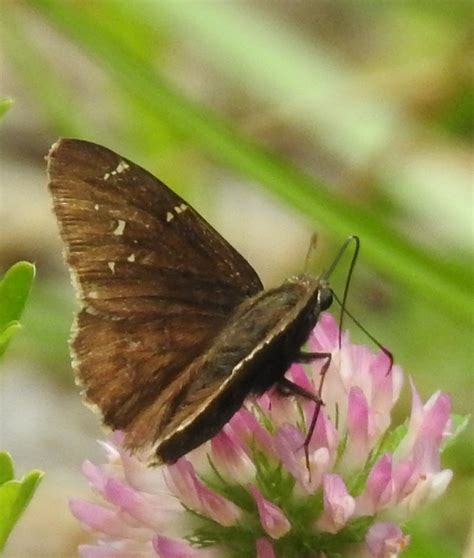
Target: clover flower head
252 491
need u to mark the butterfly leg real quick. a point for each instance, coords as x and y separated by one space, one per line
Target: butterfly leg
290 387
287 387
306 358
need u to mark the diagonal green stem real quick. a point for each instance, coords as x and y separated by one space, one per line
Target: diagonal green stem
424 273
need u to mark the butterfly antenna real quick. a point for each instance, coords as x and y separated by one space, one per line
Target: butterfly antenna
328 273
312 247
386 352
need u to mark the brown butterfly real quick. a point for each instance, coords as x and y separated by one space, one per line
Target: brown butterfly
175 329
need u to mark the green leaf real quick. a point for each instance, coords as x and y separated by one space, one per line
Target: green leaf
390 441
423 272
5 104
14 498
14 290
6 467
7 334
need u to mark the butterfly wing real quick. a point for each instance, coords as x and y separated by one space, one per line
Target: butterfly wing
155 280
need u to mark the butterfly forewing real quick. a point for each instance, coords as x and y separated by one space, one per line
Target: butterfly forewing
133 243
156 282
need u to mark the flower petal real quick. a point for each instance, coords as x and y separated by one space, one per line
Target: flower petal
325 336
386 540
405 477
339 505
426 430
250 431
379 488
183 481
436 416
95 475
386 387
144 508
265 549
109 551
146 479
297 374
272 518
289 442
217 507
326 436
230 457
427 489
358 447
173 548
105 520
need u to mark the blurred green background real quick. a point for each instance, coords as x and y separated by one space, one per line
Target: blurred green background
275 120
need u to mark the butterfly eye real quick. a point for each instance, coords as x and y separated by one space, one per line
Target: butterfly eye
324 298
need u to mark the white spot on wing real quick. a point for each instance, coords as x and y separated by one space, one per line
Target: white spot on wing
131 258
111 266
120 228
181 208
96 207
169 216
121 167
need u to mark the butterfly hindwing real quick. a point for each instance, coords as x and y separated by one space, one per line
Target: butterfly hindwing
126 365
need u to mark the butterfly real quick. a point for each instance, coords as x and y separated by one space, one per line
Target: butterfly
175 329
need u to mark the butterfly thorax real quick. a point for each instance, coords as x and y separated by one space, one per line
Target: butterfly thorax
281 317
